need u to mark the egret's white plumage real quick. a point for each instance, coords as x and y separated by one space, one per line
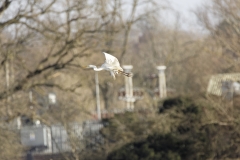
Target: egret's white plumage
112 65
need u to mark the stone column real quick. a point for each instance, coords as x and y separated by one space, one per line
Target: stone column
162 82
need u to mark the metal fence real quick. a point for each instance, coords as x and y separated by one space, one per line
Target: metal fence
58 138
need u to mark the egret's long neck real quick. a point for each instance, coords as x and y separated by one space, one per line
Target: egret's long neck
97 69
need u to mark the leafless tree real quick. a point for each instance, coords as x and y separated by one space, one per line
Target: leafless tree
45 44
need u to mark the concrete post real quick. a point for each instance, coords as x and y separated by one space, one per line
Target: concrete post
162 82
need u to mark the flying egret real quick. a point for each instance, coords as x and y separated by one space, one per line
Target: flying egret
112 65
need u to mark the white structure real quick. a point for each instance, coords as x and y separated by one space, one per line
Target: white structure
225 85
52 98
129 88
162 82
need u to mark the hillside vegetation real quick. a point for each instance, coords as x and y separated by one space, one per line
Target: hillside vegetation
180 130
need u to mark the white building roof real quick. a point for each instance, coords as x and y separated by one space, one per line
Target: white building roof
215 83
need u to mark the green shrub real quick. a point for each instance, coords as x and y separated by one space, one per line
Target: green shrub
161 147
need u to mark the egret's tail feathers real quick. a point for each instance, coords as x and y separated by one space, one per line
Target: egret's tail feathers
126 74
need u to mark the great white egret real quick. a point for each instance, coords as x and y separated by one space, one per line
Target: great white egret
112 65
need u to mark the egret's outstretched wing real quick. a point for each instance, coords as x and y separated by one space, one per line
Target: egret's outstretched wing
111 60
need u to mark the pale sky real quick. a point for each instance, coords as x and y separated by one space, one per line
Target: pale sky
185 9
